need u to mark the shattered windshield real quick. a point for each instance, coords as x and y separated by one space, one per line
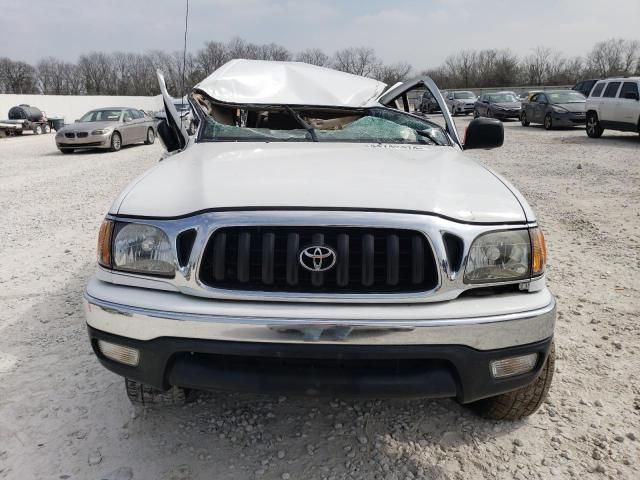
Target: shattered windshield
284 124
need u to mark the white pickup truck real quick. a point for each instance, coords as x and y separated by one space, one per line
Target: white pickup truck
314 237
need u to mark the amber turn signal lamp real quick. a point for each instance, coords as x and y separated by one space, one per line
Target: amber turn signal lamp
104 243
538 252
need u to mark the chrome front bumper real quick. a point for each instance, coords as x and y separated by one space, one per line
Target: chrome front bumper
90 141
482 323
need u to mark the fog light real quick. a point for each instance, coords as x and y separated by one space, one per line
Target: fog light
119 353
508 367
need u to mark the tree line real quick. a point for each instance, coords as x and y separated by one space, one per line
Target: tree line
122 73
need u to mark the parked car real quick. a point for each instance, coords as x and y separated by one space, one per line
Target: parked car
614 104
526 96
107 128
500 105
250 259
428 103
460 102
585 86
184 112
554 108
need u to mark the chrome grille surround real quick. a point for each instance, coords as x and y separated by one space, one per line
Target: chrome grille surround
449 286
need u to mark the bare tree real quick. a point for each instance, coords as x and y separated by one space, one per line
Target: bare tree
314 56
17 77
359 61
272 51
536 65
392 74
212 57
615 56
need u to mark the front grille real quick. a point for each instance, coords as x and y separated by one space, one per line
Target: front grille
368 260
82 134
81 145
70 135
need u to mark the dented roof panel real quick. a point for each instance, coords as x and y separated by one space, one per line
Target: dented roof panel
288 83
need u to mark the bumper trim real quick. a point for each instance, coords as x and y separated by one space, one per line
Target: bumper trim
483 333
433 371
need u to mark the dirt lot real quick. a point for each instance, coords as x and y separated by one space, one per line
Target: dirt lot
63 416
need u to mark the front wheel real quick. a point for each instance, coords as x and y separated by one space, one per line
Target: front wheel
548 124
524 120
147 396
453 111
522 402
116 142
66 150
476 113
151 137
594 129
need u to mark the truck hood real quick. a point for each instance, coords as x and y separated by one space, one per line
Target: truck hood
288 83
428 179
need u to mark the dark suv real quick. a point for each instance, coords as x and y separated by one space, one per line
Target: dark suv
585 86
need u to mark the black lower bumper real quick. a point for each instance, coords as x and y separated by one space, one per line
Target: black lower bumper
435 371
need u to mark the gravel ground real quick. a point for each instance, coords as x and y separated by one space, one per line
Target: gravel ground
63 416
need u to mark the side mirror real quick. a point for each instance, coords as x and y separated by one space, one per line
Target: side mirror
484 133
76 120
126 119
168 136
632 95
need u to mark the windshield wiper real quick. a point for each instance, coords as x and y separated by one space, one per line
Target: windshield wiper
304 124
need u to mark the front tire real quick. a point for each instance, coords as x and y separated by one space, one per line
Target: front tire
453 111
476 113
116 142
522 402
594 129
548 123
147 396
523 120
66 150
151 137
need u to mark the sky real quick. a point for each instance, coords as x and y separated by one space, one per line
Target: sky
422 32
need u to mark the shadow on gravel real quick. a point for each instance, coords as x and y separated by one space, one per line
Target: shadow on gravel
87 151
631 141
76 420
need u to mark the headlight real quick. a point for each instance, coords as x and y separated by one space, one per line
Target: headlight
102 131
559 109
499 257
135 248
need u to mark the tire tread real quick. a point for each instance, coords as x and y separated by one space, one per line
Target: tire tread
147 396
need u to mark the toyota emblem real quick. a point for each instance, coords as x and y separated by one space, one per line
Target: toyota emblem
317 258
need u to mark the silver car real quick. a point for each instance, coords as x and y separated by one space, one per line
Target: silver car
107 128
460 102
